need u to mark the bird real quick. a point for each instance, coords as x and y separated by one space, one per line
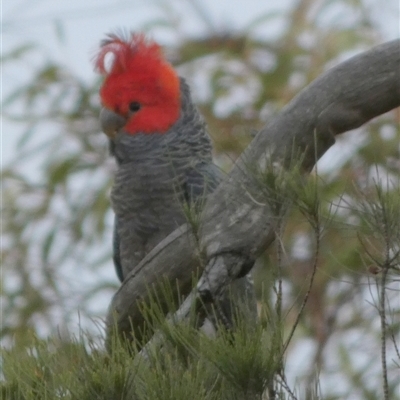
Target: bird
160 142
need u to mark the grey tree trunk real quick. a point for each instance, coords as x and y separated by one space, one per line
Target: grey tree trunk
240 218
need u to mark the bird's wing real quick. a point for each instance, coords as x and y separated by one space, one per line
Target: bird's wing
201 181
116 252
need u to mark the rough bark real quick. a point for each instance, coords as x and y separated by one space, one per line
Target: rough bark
239 219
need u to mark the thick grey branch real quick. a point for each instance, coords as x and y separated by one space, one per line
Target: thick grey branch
239 219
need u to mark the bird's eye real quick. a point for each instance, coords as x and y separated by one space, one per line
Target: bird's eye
134 106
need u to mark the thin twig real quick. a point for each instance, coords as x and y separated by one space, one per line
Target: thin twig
396 348
286 385
278 305
382 314
316 224
314 270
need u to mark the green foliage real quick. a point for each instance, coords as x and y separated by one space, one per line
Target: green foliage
73 369
230 367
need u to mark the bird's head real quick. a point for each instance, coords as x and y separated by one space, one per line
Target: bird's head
141 90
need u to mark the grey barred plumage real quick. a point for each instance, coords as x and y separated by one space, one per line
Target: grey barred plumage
156 174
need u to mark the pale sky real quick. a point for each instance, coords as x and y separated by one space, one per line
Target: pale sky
70 30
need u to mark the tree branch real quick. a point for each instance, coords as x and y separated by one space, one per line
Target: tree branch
239 220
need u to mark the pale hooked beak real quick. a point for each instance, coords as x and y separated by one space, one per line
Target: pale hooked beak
111 122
